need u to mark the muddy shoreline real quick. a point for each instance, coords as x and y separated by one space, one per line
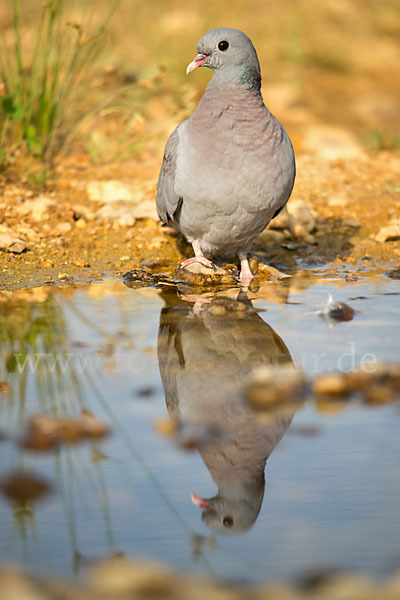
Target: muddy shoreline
69 239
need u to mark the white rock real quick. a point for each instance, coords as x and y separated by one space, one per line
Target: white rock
145 210
9 240
63 227
127 195
37 208
119 212
351 221
83 211
301 215
388 234
332 143
269 237
114 191
337 201
282 221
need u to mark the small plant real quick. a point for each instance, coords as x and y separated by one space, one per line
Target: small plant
380 140
38 86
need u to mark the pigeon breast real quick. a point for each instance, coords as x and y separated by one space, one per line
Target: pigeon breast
234 169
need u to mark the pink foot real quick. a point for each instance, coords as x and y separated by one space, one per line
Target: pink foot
197 259
245 272
245 278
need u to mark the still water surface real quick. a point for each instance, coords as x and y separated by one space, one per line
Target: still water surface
330 494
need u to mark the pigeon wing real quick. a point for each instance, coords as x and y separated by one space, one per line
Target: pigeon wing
169 204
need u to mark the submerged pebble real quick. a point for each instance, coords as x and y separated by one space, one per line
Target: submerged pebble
21 486
270 386
139 278
225 306
331 384
336 311
4 387
379 384
46 432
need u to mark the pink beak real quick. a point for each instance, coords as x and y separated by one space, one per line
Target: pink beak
197 62
200 502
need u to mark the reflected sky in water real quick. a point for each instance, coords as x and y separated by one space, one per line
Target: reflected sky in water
329 496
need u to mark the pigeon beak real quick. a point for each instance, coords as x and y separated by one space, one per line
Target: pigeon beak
197 62
200 502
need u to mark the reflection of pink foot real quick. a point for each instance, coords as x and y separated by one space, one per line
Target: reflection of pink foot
198 303
194 299
197 259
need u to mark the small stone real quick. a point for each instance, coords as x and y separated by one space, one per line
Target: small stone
80 262
157 243
268 273
281 221
82 212
224 306
16 585
231 269
154 263
63 227
271 385
253 264
165 426
330 384
38 208
380 393
351 221
91 427
340 311
137 278
299 231
146 210
46 432
119 212
62 276
332 143
388 234
4 387
330 404
198 274
133 579
48 264
10 242
80 224
268 238
301 215
340 201
293 246
28 233
114 191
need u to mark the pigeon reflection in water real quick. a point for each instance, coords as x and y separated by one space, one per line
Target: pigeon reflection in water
204 360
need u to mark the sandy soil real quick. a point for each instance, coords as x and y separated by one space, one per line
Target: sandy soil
351 200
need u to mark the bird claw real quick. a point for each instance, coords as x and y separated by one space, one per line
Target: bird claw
197 259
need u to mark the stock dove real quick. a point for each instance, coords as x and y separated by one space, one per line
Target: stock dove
230 168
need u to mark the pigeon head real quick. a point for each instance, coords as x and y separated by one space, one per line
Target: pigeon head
226 515
231 55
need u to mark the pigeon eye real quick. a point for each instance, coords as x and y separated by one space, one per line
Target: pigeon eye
227 522
224 45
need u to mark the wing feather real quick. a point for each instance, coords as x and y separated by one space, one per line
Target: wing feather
169 204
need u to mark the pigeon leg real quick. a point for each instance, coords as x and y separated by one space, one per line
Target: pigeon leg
198 257
245 272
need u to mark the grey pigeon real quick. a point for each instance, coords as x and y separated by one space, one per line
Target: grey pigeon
230 168
204 360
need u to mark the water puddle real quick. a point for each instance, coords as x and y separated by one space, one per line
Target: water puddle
182 475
